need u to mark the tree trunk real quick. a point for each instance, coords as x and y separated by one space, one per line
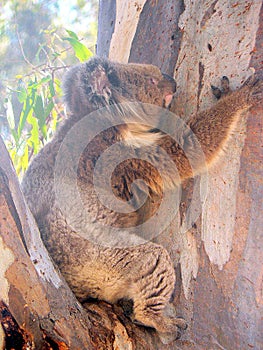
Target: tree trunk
37 309
218 254
216 250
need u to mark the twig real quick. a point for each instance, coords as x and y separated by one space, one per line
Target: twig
21 46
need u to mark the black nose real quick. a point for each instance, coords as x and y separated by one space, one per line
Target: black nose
167 82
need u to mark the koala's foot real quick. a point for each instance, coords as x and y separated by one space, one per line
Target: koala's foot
224 90
168 337
177 324
168 327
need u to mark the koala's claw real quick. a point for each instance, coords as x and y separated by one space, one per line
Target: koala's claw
223 90
216 91
225 85
181 323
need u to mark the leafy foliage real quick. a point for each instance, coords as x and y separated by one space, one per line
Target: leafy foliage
37 120
30 103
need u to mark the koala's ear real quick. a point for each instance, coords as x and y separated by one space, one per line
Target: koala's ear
83 80
74 90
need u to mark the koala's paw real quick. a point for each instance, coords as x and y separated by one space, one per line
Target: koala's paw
173 325
167 325
223 90
179 325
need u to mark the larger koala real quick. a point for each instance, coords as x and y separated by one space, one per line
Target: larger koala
104 264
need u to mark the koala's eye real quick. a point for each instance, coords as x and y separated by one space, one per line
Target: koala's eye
153 81
88 89
113 78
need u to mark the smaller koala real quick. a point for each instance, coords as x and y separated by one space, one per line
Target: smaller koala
142 273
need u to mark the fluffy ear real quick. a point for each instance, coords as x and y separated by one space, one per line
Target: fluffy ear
79 84
88 86
73 89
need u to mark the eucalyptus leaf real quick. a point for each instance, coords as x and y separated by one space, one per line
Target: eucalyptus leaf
22 95
72 34
81 51
10 114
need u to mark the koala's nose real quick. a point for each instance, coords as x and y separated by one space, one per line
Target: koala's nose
167 83
103 91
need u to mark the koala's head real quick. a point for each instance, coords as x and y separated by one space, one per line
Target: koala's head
99 82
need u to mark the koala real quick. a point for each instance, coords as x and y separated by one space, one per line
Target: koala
105 265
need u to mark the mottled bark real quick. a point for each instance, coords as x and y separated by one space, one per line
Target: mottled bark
217 254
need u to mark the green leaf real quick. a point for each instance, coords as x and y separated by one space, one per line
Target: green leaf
22 95
72 34
52 88
27 109
10 114
44 130
56 54
34 138
53 124
37 55
12 152
57 86
20 149
36 84
81 51
45 80
49 108
40 114
39 109
15 136
24 159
